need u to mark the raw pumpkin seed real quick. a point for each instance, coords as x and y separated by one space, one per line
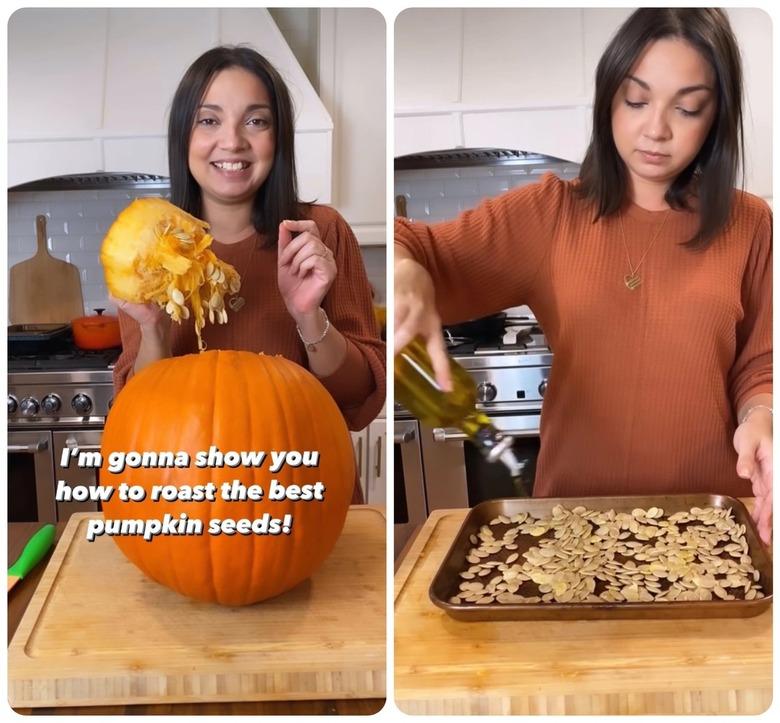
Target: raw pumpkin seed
575 550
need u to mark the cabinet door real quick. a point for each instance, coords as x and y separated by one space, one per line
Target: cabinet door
360 445
377 467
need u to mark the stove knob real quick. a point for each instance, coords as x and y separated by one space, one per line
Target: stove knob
51 404
543 387
29 406
12 404
82 404
486 392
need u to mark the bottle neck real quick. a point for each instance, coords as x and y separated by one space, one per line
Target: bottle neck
493 444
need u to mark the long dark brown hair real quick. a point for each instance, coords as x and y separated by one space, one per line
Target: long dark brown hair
277 198
713 172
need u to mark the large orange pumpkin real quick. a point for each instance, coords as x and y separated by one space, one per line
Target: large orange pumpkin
238 401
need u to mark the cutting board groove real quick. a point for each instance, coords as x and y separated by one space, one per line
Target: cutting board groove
98 632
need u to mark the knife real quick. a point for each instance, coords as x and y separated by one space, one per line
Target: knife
34 551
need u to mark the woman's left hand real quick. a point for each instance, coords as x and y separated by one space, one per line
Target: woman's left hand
306 267
753 443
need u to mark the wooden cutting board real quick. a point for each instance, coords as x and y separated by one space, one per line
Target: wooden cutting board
44 290
98 632
589 667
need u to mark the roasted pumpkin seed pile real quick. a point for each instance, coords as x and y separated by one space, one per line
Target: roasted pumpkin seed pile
588 556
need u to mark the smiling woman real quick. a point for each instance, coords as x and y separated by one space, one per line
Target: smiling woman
304 292
227 169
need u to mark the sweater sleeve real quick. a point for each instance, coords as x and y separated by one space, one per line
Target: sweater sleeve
130 332
487 258
358 385
751 373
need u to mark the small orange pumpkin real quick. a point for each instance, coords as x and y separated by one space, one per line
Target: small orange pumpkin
237 401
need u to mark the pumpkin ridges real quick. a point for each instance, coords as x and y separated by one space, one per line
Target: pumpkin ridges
246 409
140 551
291 432
326 519
231 382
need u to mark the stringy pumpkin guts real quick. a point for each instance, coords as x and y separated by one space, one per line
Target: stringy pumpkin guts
156 252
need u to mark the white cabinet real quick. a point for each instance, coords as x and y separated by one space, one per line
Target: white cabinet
107 78
371 460
56 58
427 57
140 83
376 473
360 445
352 84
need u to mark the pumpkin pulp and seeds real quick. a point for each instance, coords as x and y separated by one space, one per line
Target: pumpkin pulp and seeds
589 556
156 252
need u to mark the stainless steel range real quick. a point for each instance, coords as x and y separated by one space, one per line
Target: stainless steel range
56 401
511 375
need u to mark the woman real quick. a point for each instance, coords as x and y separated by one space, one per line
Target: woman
650 275
304 291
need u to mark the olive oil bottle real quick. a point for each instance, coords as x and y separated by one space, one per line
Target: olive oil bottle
417 389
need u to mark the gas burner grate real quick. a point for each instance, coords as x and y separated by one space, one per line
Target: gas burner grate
65 361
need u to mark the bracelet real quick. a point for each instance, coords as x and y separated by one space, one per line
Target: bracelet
753 409
312 345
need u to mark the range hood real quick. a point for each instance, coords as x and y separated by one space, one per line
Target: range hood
94 98
95 181
464 157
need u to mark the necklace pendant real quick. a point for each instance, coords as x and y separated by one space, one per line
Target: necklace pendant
311 347
236 303
632 281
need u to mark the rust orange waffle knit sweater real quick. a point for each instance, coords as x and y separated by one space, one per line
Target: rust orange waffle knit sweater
265 325
645 384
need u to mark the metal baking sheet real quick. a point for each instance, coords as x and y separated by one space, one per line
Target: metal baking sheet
447 580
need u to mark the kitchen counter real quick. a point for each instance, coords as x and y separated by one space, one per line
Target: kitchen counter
20 596
592 667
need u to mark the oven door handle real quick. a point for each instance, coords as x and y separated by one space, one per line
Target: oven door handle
72 443
454 435
33 448
404 437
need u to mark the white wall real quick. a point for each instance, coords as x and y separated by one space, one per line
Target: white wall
90 89
522 78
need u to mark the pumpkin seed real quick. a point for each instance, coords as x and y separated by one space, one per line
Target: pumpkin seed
576 548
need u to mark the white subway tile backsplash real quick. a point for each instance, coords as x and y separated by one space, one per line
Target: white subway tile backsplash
90 242
461 187
465 187
374 259
492 186
431 188
475 172
418 208
21 227
441 208
510 171
76 222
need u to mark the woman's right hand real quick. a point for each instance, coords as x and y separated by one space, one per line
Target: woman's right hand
416 315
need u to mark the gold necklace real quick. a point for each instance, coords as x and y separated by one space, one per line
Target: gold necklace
236 301
633 280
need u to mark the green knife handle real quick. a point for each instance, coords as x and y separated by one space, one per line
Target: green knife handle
35 549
